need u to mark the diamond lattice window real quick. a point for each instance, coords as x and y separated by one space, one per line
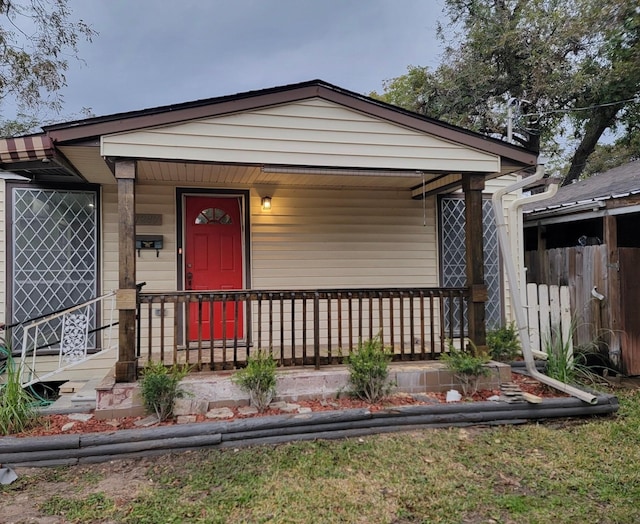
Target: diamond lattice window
453 253
54 252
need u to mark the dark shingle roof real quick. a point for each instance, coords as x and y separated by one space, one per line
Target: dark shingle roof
618 182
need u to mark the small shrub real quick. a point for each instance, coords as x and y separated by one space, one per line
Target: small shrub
503 343
258 379
369 370
160 387
467 365
17 407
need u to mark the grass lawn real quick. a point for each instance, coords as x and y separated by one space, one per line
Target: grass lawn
584 471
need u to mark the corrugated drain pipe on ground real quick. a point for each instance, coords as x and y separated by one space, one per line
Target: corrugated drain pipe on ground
514 285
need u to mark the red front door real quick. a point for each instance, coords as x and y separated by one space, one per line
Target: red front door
213 261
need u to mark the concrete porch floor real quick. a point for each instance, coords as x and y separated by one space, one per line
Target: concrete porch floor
215 389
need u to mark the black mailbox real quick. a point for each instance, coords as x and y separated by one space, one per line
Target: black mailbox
149 242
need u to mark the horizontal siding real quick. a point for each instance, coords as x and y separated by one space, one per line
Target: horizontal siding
311 132
342 239
96 368
159 272
516 238
374 238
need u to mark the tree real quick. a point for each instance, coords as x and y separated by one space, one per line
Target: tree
37 38
547 59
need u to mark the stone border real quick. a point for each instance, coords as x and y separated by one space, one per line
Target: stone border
134 443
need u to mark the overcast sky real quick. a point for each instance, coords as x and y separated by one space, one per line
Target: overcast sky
156 52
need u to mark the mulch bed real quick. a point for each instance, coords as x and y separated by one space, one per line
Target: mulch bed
54 424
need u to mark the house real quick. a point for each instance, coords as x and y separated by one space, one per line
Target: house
586 237
301 218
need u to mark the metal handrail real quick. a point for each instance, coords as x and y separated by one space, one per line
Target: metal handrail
32 328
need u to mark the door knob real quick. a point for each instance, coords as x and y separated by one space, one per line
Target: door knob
189 280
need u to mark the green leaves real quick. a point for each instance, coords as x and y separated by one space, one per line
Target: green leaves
17 408
468 366
160 386
554 57
36 41
258 379
369 370
503 343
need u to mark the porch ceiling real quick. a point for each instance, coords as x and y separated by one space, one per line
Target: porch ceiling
93 167
251 175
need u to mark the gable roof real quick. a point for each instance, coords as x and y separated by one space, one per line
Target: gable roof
620 182
162 115
89 131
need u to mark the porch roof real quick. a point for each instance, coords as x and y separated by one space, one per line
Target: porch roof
404 151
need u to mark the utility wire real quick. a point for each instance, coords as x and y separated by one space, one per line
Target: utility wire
634 99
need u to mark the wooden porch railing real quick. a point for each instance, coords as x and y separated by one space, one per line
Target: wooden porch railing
307 327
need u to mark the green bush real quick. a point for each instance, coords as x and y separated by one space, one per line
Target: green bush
160 387
17 407
369 370
258 379
467 365
503 343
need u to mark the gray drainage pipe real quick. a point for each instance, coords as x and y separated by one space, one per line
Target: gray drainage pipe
514 290
100 447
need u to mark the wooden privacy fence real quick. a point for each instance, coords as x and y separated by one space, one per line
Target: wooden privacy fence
605 296
586 272
549 316
219 329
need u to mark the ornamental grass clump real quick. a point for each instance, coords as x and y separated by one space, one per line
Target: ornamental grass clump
369 370
160 387
17 408
258 379
467 365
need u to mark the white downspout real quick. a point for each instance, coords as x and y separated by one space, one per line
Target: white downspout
514 221
514 289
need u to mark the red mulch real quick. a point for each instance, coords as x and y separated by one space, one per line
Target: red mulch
53 424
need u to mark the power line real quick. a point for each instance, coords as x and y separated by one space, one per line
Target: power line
553 111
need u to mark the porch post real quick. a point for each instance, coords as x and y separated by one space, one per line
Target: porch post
612 272
472 185
126 367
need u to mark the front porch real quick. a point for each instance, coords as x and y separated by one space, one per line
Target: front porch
299 328
356 242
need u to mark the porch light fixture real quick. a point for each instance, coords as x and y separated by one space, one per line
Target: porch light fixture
266 203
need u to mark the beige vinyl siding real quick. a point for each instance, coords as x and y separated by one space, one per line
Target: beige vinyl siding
158 271
516 236
308 132
332 239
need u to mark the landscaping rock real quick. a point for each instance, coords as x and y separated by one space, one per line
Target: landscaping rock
290 408
81 417
147 421
305 410
219 413
188 406
68 426
186 419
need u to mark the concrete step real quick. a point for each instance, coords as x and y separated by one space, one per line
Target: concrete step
81 398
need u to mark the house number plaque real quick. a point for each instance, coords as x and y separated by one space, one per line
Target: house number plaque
148 219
